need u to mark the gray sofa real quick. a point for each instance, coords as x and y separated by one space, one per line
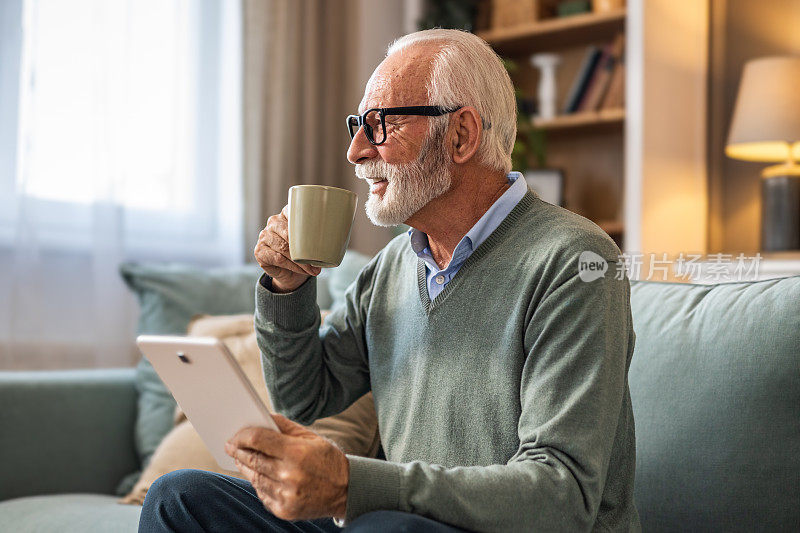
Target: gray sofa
715 383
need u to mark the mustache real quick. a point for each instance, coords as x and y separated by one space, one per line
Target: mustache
376 169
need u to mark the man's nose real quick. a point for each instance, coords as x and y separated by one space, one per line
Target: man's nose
361 149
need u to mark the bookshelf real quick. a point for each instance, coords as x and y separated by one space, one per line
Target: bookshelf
555 32
588 146
639 173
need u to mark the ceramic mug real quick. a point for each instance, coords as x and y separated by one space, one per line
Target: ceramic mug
320 220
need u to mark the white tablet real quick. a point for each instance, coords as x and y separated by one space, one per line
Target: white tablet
209 386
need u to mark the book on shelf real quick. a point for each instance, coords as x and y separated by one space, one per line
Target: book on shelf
581 82
615 95
601 78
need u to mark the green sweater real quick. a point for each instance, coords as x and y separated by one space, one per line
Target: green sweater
503 404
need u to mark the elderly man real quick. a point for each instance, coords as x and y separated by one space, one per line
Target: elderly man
499 373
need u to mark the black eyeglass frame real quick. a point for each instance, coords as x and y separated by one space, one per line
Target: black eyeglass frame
415 110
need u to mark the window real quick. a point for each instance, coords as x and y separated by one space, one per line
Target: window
119 140
132 104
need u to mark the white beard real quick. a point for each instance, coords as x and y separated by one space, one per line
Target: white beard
410 186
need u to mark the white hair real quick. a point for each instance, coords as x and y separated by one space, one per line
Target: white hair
467 72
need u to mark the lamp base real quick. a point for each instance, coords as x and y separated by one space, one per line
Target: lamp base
780 213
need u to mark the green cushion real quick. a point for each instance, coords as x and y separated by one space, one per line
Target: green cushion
169 295
715 386
342 276
324 300
68 512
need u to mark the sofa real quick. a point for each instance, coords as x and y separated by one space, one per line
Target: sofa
715 385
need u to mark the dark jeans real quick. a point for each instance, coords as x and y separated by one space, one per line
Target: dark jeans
194 500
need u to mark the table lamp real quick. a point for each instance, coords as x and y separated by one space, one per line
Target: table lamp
766 127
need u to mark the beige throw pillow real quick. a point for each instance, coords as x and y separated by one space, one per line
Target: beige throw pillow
355 430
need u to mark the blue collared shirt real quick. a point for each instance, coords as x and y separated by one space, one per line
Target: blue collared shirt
438 279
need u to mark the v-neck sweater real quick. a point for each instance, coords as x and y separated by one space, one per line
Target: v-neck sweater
502 404
437 278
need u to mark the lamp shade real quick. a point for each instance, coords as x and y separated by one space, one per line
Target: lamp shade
766 120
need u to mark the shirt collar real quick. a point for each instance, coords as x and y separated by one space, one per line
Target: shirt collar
482 229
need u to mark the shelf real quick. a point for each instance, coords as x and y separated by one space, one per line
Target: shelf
589 119
555 32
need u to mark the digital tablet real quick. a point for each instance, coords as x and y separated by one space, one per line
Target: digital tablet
210 387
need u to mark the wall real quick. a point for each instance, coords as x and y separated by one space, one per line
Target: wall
741 30
665 180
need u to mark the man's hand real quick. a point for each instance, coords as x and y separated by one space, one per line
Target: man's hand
297 474
272 253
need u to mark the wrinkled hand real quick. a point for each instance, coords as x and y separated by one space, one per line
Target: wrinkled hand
297 474
272 253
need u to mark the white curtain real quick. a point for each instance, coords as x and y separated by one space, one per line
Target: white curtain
124 145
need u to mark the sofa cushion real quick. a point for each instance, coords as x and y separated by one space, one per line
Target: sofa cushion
715 386
68 512
169 295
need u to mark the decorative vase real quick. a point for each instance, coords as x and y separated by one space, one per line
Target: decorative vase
547 64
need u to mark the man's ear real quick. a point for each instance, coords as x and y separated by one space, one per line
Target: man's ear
467 128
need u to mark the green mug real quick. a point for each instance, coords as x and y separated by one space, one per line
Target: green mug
320 220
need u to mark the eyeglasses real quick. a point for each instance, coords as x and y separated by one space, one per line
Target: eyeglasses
374 120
